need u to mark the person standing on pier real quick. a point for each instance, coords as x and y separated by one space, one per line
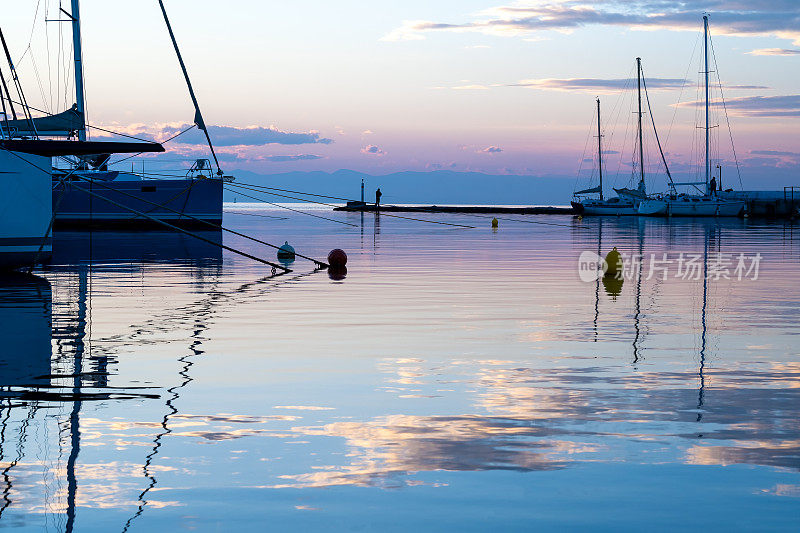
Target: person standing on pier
378 195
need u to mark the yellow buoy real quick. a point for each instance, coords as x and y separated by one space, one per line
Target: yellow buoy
613 263
495 223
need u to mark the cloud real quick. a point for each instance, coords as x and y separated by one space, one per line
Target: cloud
774 52
777 18
304 407
776 153
759 106
367 132
250 136
598 84
220 135
371 149
441 166
491 150
285 158
471 88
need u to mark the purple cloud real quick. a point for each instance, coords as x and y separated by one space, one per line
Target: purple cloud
776 153
774 52
285 158
598 84
760 106
252 136
779 18
491 150
371 149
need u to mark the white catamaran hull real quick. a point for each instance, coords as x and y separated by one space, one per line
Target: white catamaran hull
691 206
25 209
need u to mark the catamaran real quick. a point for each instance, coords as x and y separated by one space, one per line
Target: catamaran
26 157
708 203
88 191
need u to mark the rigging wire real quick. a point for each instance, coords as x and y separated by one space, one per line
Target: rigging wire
583 156
103 129
47 55
683 87
725 108
616 111
655 131
33 28
140 153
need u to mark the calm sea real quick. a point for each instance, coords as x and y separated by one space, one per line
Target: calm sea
455 379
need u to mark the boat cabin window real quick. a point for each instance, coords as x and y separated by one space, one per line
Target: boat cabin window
148 188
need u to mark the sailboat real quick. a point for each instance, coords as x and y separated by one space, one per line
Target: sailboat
87 191
627 201
708 203
26 177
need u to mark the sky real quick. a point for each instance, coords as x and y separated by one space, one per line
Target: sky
493 86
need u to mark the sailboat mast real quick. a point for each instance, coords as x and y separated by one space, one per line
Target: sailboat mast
705 70
641 142
198 116
599 149
76 47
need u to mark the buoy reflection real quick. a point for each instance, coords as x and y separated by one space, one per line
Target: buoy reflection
613 285
337 273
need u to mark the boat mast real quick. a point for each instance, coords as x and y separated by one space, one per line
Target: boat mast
76 46
599 150
198 116
641 143
705 71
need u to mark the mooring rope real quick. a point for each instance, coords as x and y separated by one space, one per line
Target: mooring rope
181 230
239 183
206 222
294 210
333 205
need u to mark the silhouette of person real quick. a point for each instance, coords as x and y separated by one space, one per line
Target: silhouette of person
713 186
378 195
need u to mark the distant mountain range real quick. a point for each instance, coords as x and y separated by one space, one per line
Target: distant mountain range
442 187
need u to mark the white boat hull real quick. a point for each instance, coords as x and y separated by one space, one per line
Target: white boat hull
606 208
691 206
26 209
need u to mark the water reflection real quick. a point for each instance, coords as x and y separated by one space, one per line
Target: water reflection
175 386
530 418
25 315
36 375
121 247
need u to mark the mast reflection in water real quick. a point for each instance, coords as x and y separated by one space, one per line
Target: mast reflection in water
472 373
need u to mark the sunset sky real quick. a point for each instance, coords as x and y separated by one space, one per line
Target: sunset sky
378 87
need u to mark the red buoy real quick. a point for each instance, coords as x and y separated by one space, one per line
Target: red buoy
337 258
